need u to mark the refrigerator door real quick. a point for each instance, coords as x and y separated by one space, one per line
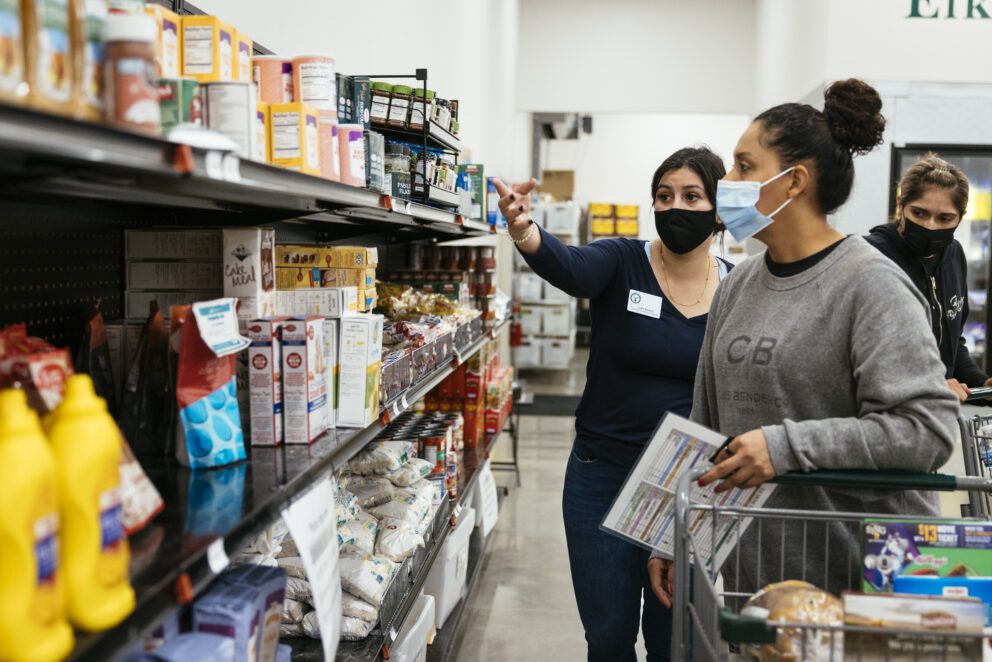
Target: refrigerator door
972 234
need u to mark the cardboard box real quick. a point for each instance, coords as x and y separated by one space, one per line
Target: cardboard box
292 303
304 380
529 287
346 101
527 354
168 46
243 50
341 301
229 610
562 217
208 49
296 255
360 359
137 302
361 278
173 245
472 178
627 211
559 183
375 161
297 278
294 137
531 320
249 271
628 227
554 295
262 144
265 381
557 320
204 276
603 227
601 210
557 354
361 96
270 585
331 369
353 257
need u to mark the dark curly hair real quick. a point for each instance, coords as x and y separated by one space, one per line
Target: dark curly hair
850 123
701 160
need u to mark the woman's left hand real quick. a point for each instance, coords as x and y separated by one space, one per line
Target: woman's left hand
747 464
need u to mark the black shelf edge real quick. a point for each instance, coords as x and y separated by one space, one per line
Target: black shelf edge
45 154
269 470
437 137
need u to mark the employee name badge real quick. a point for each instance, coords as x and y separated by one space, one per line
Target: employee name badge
643 303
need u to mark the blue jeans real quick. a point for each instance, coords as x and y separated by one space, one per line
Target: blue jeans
609 575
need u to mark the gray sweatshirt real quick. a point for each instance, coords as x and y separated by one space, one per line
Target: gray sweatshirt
838 366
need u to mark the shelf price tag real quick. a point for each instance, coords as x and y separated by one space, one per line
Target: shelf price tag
406 405
396 409
214 162
312 524
232 168
217 557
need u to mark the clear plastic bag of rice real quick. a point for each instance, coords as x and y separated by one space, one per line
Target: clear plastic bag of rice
357 608
412 472
381 457
355 629
409 508
374 492
293 611
797 602
361 532
367 579
398 540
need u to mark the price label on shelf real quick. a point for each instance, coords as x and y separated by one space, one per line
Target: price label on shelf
214 162
312 524
232 168
396 409
217 557
406 405
393 634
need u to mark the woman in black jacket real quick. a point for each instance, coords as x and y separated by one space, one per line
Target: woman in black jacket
933 195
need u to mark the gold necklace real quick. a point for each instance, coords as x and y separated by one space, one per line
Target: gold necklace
668 285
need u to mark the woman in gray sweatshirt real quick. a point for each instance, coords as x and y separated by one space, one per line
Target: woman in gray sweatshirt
817 354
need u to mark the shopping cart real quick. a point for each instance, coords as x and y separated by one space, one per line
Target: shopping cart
976 442
707 620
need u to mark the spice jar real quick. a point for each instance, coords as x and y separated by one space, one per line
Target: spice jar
423 102
130 72
397 158
399 106
382 94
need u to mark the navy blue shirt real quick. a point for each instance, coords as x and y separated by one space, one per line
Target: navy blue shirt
639 367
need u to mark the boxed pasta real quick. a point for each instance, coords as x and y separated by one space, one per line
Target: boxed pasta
360 360
304 380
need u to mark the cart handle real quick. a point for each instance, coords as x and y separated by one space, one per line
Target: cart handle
885 480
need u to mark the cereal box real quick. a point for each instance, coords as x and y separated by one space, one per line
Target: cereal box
265 381
360 359
304 380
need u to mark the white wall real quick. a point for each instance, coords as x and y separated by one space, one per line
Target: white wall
636 56
469 49
616 162
790 51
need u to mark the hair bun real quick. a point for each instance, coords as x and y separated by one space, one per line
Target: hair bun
853 111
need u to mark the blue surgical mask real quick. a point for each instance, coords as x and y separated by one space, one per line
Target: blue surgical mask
735 205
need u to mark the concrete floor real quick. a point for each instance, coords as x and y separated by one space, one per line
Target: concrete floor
524 609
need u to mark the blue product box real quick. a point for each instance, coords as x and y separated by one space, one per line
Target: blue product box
230 610
199 646
270 584
949 587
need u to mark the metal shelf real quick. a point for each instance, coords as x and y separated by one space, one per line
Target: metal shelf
49 156
248 497
437 136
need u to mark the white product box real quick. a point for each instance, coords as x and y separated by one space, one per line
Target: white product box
137 302
446 580
557 354
331 333
207 276
557 320
249 271
304 386
292 303
265 381
173 245
360 358
527 354
337 301
530 320
561 217
529 287
553 294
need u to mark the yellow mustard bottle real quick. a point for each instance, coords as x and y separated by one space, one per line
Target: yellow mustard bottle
95 552
33 626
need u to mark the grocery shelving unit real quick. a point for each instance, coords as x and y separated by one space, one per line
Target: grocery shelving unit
68 192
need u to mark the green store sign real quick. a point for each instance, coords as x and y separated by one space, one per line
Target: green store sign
973 9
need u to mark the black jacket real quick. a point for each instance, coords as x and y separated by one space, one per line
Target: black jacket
948 297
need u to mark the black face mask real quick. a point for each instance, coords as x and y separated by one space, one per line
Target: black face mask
924 242
682 230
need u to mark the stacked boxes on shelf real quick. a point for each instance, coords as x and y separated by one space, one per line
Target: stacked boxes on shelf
325 280
607 220
545 337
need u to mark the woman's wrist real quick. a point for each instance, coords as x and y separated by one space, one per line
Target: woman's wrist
525 236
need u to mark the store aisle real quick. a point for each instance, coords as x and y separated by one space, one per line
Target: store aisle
524 608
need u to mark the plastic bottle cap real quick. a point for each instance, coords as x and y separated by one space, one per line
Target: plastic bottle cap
15 415
420 93
80 397
402 89
130 27
382 87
